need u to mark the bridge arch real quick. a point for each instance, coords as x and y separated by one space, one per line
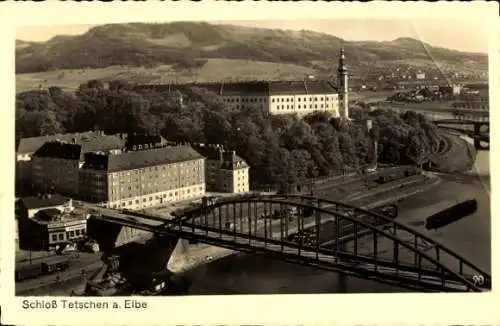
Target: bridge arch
187 221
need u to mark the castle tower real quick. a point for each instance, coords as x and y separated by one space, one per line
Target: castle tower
343 86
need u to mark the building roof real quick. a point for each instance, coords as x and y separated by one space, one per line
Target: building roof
58 149
306 87
32 144
209 151
141 139
231 161
102 143
48 214
75 149
58 219
142 158
258 88
43 201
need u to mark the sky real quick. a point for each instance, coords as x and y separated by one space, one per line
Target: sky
470 35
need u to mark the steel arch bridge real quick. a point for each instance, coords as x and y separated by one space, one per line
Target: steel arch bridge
324 234
480 130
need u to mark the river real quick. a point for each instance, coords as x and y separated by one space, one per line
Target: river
470 237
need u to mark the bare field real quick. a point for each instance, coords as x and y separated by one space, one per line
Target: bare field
213 70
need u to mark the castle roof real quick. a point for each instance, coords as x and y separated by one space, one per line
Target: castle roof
257 88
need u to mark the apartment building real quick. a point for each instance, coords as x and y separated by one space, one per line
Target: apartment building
143 178
225 170
56 164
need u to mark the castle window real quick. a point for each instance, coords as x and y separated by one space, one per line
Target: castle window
299 99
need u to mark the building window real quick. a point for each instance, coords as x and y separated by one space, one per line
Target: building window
61 236
71 233
54 237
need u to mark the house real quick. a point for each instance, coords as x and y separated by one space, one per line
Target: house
46 221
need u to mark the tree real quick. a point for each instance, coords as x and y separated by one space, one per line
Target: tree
418 149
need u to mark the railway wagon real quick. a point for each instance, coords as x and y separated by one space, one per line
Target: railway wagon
41 269
395 173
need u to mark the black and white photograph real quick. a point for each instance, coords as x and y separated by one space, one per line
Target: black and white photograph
187 158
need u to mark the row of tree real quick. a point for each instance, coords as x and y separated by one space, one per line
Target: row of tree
279 148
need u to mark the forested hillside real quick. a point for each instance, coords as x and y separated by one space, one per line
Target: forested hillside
188 44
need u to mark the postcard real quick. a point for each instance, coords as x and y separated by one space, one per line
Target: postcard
248 162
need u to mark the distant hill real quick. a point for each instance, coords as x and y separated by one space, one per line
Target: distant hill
185 43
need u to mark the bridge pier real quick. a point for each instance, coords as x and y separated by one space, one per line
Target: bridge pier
140 253
178 256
